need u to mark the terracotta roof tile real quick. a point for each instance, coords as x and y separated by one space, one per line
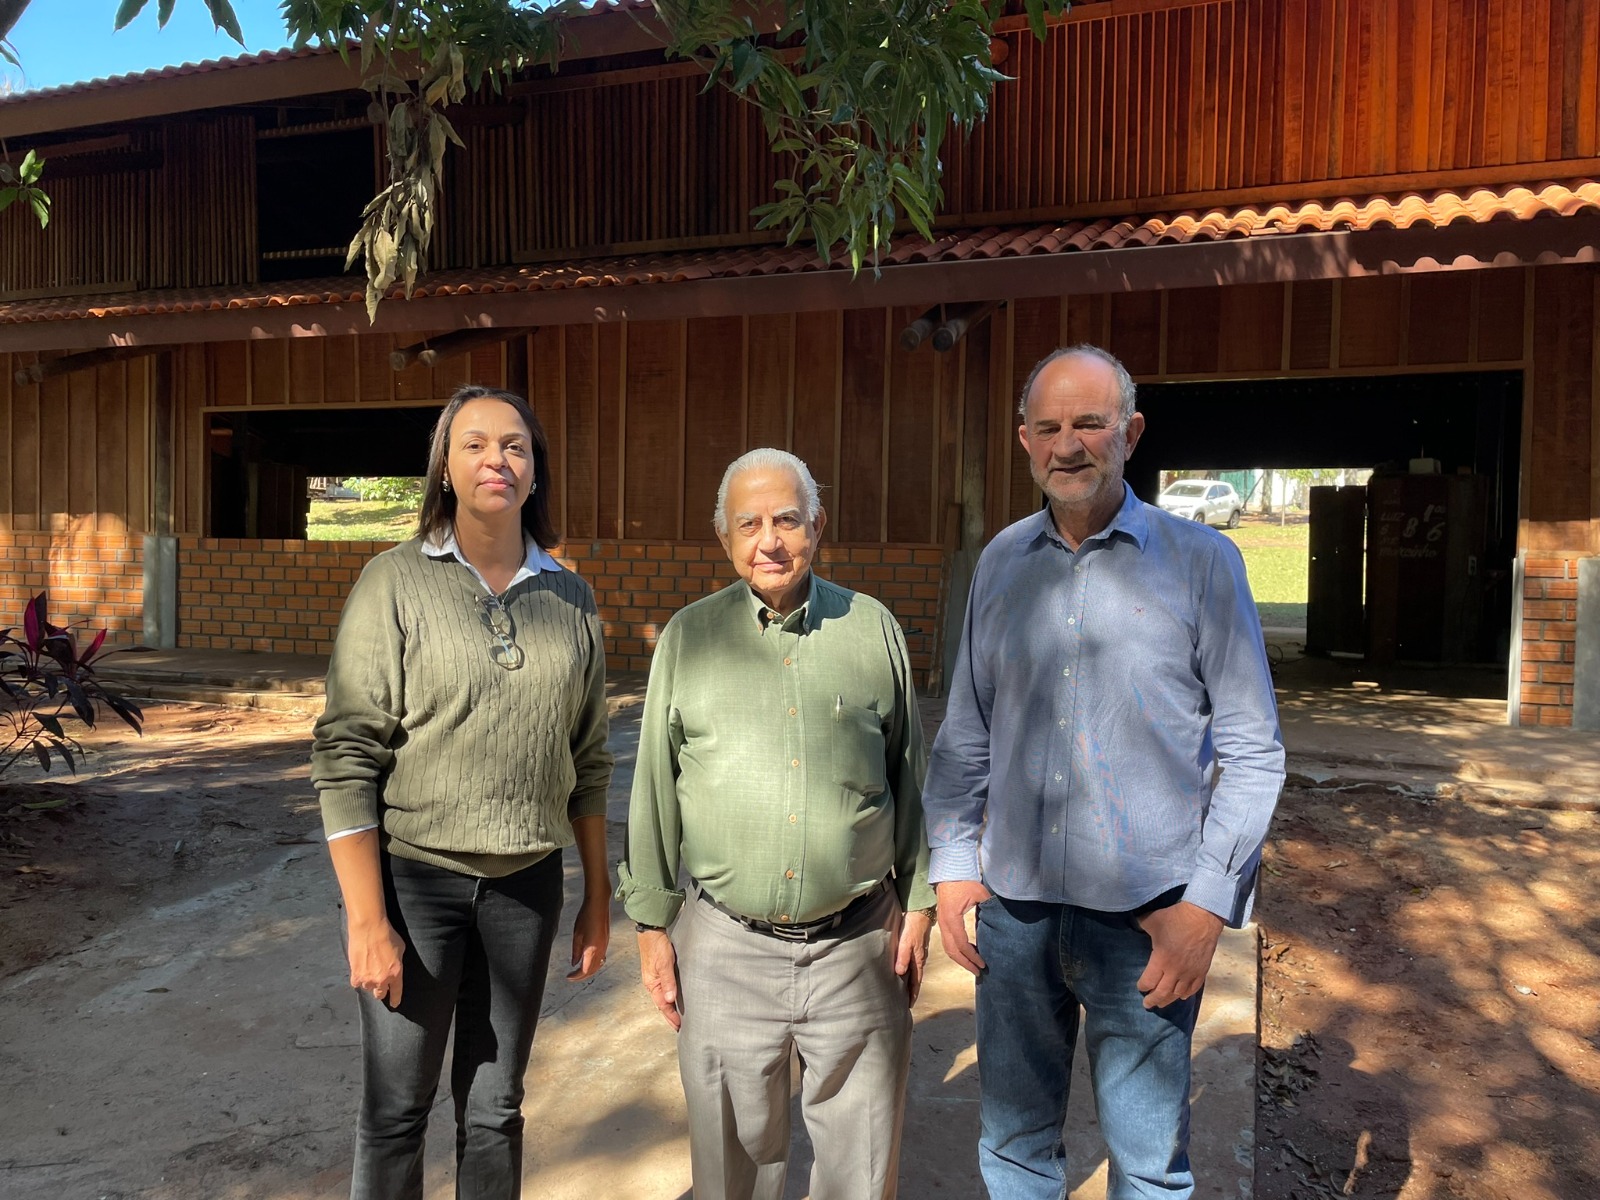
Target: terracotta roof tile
1512 203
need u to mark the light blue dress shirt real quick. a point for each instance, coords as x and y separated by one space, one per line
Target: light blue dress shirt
1111 732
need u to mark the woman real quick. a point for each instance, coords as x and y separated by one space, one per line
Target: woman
462 745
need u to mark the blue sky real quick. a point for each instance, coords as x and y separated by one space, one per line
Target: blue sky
67 41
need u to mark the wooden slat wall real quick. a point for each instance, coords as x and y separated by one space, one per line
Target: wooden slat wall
1123 108
877 426
1558 494
1119 109
635 162
880 427
73 454
189 222
1232 95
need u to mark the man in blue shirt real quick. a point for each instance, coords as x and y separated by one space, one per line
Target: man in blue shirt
1099 792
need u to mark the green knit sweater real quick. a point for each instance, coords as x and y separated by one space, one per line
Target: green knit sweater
461 762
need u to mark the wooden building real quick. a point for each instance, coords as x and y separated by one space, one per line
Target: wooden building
1362 230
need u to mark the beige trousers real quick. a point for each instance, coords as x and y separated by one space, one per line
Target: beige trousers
748 999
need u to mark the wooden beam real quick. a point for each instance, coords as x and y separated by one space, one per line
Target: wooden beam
55 367
429 351
960 320
914 334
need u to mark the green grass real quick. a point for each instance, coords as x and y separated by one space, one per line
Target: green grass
360 521
1276 557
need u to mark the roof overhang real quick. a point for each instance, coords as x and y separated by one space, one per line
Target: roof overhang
981 265
613 27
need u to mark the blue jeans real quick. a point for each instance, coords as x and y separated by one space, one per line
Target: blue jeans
1043 962
476 953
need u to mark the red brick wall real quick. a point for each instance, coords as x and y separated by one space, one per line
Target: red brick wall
285 596
1549 638
270 596
93 578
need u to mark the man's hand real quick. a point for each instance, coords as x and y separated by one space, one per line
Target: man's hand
956 898
1183 938
911 951
375 954
591 934
658 970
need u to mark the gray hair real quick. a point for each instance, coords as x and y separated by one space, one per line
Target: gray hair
772 460
1126 391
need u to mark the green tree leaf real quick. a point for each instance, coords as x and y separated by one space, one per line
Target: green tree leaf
223 17
127 11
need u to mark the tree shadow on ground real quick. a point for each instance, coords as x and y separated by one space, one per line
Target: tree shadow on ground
1432 980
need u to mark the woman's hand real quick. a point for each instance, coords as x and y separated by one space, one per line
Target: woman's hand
375 949
591 934
376 953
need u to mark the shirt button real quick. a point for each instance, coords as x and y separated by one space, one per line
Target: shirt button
1072 620
794 762
1058 776
788 874
792 711
1054 829
793 818
1062 723
788 662
783 916
1066 670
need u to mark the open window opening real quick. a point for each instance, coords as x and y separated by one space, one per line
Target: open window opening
284 474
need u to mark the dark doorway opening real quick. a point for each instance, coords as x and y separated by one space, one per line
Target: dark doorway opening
1461 430
260 461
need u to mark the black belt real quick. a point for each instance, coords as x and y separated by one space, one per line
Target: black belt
802 931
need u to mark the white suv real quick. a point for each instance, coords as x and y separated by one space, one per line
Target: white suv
1208 500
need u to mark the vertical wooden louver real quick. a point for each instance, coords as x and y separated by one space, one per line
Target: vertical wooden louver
175 208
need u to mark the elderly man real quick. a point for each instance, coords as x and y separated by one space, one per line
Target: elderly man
780 764
1099 791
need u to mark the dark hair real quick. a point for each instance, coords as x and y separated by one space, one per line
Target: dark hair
439 506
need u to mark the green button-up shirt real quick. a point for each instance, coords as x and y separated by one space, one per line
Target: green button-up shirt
780 760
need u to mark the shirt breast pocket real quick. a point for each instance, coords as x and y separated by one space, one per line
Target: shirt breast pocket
857 748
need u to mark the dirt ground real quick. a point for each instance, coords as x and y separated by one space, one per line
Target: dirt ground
1430 1007
203 794
1430 989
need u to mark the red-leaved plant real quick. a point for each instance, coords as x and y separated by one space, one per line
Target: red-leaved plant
45 677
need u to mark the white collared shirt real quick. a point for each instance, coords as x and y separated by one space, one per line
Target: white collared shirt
442 544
